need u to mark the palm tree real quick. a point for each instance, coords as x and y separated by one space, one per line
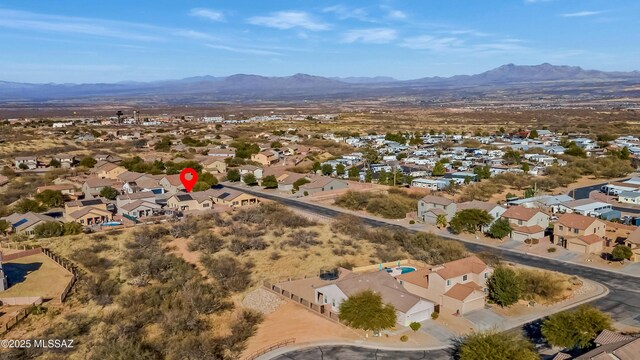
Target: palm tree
441 221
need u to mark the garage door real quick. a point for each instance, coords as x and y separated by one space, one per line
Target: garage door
418 316
577 247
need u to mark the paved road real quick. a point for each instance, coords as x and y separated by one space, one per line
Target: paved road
359 353
623 301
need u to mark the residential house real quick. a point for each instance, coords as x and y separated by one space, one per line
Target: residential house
492 209
609 345
633 242
108 170
431 184
27 162
409 307
87 212
196 201
172 183
323 183
26 223
109 158
138 209
232 198
124 199
214 165
93 186
579 233
585 207
66 161
266 157
65 189
221 153
629 197
251 169
527 223
457 286
431 206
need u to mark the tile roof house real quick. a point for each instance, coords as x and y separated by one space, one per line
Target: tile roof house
409 307
430 206
457 286
26 223
323 183
108 170
266 157
609 346
92 186
196 201
633 242
172 183
579 233
87 211
232 197
526 223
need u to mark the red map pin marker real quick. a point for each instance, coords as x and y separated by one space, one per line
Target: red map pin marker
189 178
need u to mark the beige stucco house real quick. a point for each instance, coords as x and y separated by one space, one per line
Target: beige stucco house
579 233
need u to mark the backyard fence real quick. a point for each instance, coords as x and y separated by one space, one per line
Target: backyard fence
20 314
270 348
307 304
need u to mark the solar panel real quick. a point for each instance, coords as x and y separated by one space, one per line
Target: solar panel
186 197
91 202
224 195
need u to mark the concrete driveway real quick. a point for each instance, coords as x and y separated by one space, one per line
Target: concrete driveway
485 319
438 331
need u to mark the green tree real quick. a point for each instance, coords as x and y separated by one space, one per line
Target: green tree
327 169
27 205
50 198
368 176
233 175
49 229
482 172
438 169
505 287
500 228
366 311
533 134
201 186
300 182
23 166
276 145
163 145
621 252
512 156
441 221
576 328
88 162
72 228
383 177
354 173
340 169
575 150
370 155
270 182
491 345
469 220
250 179
526 167
108 192
54 163
208 178
5 226
529 193
317 166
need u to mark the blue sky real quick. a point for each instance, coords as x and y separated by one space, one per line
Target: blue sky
108 41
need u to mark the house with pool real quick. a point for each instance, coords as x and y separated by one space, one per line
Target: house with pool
457 287
409 307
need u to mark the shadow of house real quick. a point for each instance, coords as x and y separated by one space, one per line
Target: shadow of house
17 273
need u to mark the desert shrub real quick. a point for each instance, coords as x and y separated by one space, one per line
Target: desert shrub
239 246
551 249
89 259
206 241
100 289
349 225
302 239
242 329
540 285
404 338
275 256
434 315
353 200
184 228
415 326
231 274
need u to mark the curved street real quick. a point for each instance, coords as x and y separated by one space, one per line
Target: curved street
622 302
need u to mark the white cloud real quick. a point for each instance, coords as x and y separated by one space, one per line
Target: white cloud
432 43
288 20
242 50
196 35
582 14
209 14
397 14
343 12
372 36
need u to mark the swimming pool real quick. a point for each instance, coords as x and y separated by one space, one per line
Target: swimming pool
399 270
111 223
406 269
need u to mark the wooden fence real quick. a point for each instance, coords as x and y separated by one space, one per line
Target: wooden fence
270 348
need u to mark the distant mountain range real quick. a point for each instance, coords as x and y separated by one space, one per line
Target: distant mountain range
542 79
